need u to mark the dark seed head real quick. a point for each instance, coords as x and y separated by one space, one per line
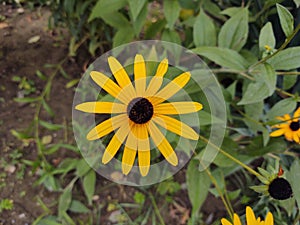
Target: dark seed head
280 189
140 110
295 126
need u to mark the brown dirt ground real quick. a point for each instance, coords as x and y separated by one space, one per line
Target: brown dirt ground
19 58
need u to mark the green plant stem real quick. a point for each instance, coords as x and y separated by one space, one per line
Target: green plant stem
287 41
282 73
249 169
38 110
156 210
226 203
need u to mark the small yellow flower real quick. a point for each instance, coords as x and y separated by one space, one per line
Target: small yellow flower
268 48
290 128
251 219
138 112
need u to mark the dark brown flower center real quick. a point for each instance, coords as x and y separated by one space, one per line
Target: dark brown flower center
140 110
295 126
280 189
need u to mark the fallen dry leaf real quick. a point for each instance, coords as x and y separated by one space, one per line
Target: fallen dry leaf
3 25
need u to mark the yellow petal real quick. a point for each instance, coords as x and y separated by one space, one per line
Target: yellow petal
297 115
121 76
236 220
296 137
176 126
144 162
288 135
109 86
177 108
277 133
225 222
115 143
157 80
106 127
162 144
269 219
173 87
128 159
250 216
101 107
139 75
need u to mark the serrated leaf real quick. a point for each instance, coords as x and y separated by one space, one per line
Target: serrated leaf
286 59
89 182
198 184
204 31
135 7
266 37
286 20
255 92
222 56
282 107
106 6
234 32
77 207
171 11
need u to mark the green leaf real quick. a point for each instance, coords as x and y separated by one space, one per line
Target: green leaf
286 20
282 107
26 100
257 148
41 75
155 28
123 36
135 7
82 168
47 108
171 36
289 81
78 207
265 73
72 83
171 12
140 20
293 178
297 3
286 59
48 221
198 184
89 182
50 126
255 92
222 56
234 32
65 200
231 11
266 37
106 6
116 19
204 31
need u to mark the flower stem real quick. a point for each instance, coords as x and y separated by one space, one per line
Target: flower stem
226 203
156 210
249 169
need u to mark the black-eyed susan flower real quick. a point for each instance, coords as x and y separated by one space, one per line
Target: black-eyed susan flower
138 111
290 128
251 219
275 185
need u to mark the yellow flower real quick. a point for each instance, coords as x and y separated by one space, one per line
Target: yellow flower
251 219
137 111
290 128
